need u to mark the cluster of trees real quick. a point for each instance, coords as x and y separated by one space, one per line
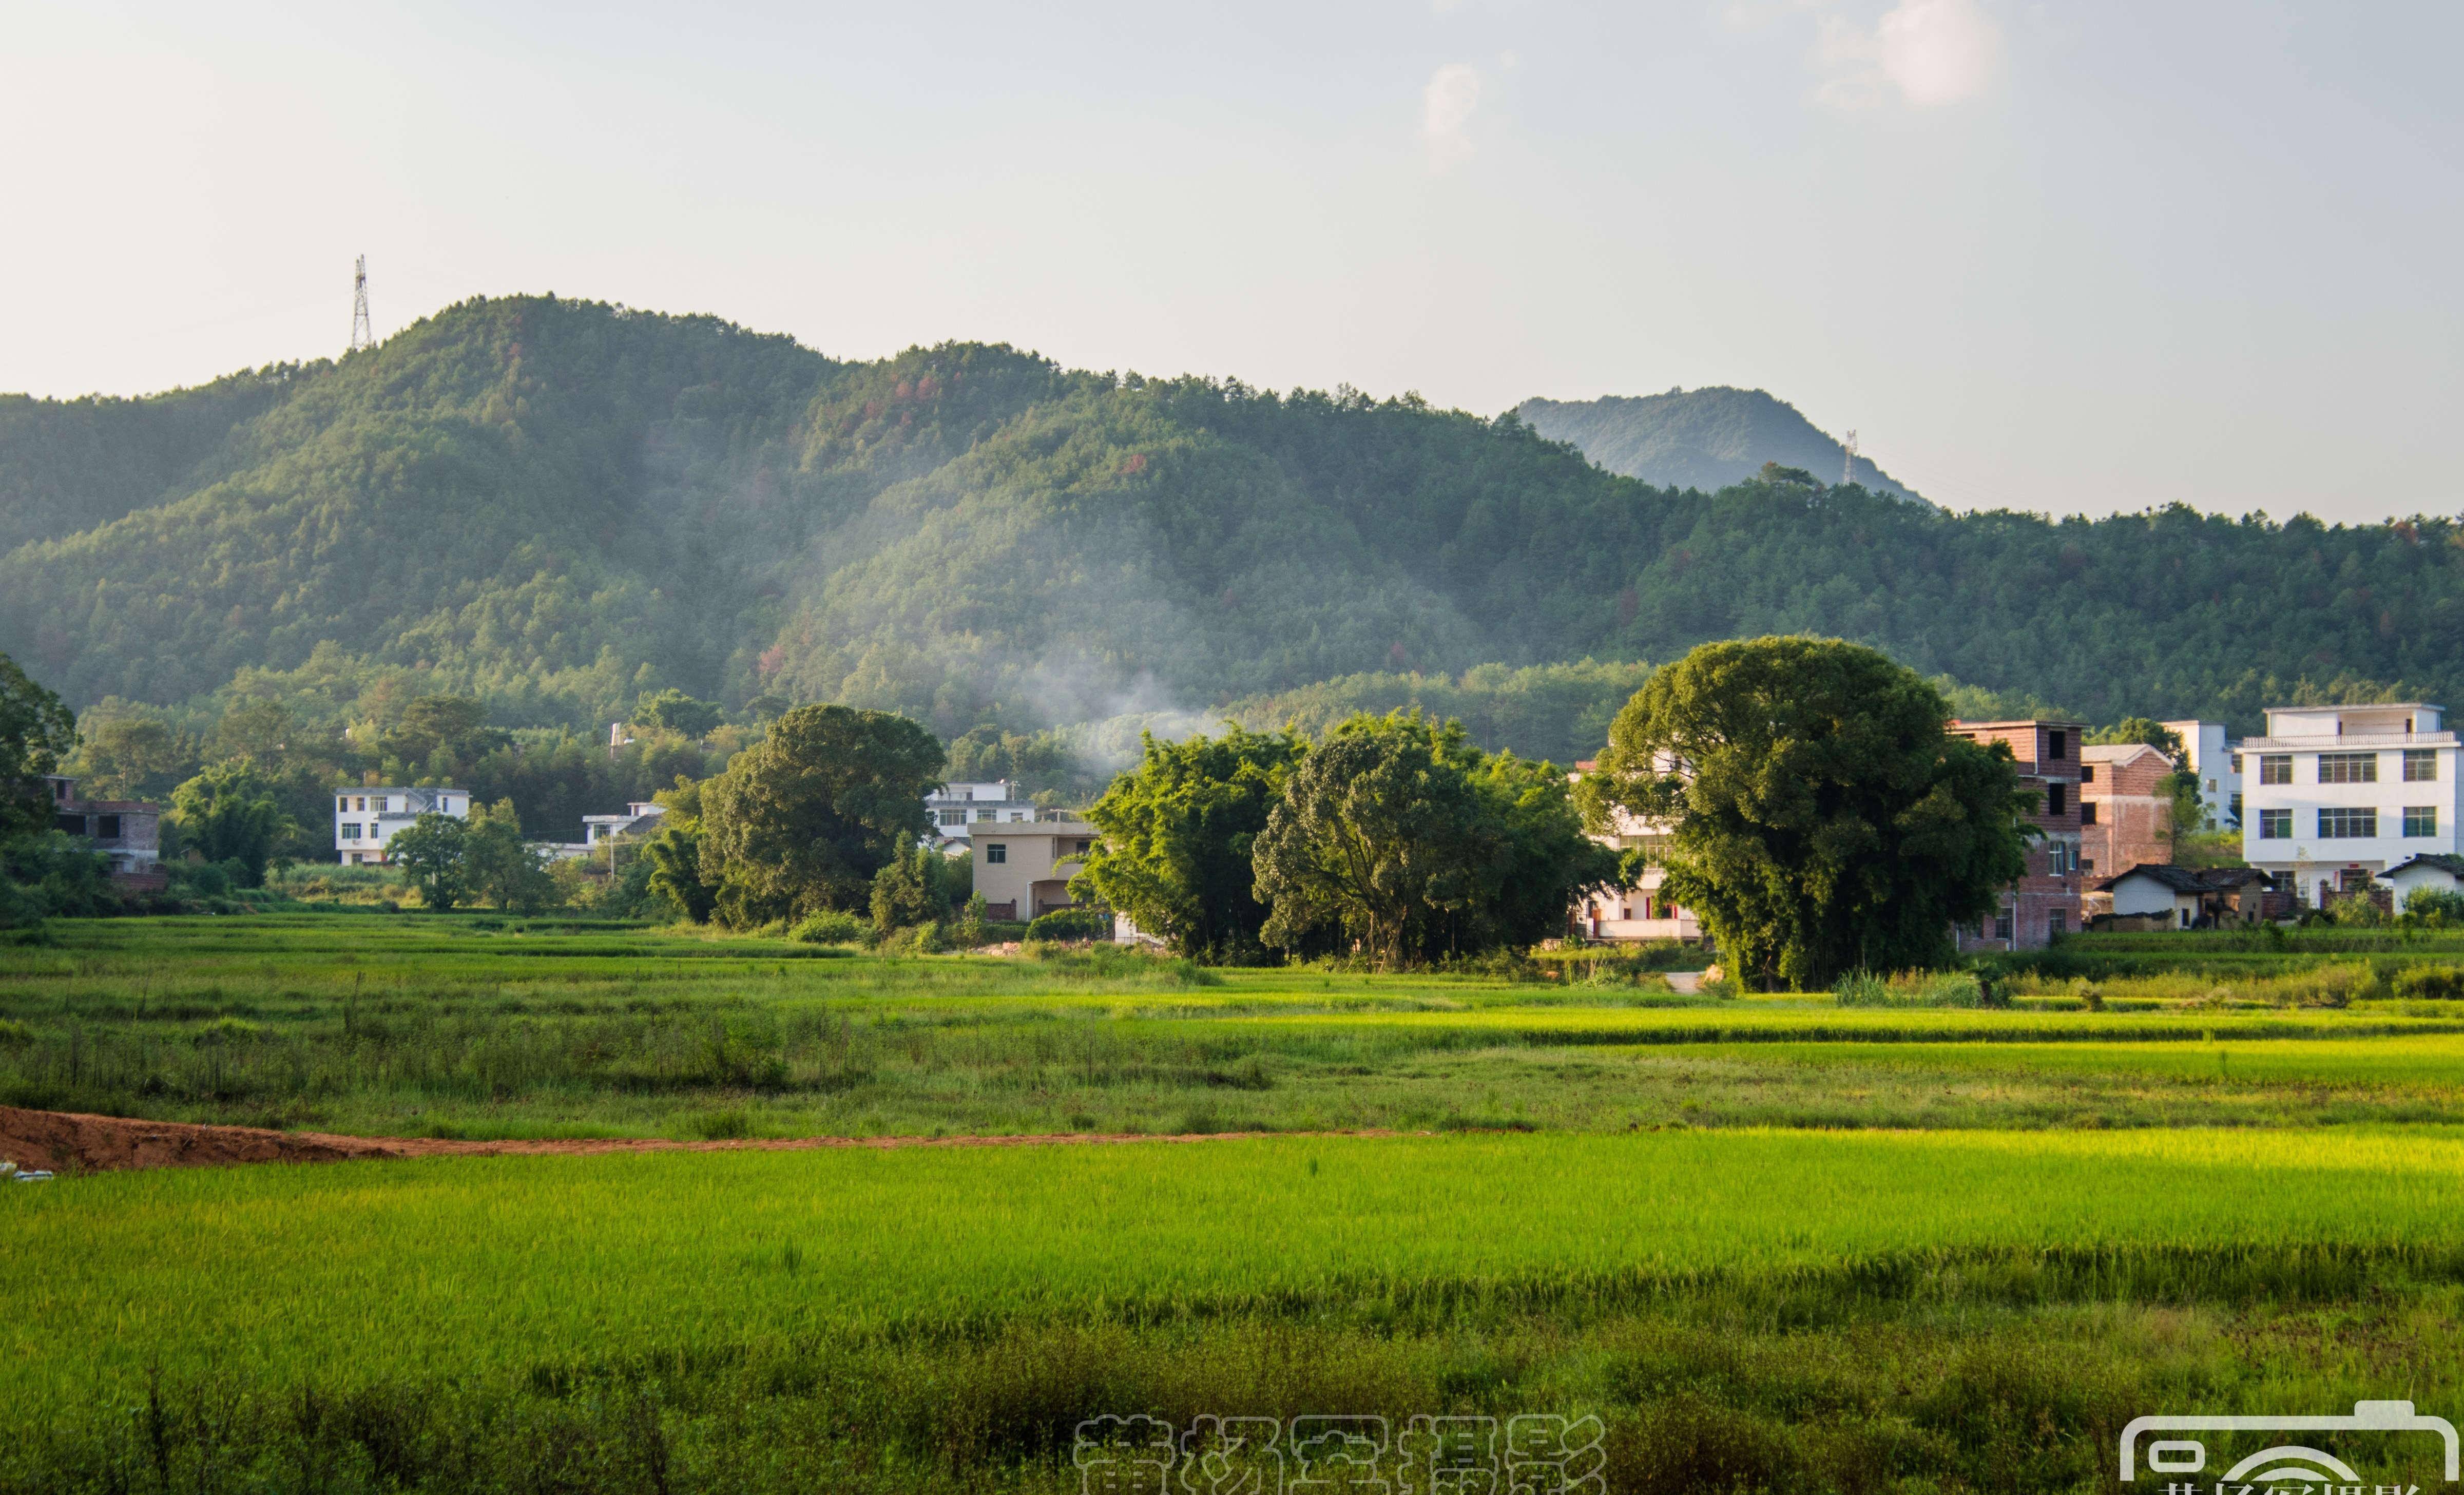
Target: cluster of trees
1392 837
555 507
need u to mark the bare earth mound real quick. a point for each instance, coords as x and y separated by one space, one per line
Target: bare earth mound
68 1142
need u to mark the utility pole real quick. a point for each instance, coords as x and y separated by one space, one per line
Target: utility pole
1848 461
362 335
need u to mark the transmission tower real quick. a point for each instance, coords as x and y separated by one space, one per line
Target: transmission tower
1848 461
362 335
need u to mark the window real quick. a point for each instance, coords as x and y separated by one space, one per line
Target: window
2420 765
343 803
2275 825
350 830
2236 803
2236 765
1082 848
2002 925
949 817
2056 801
73 825
996 852
2055 925
2087 812
2057 858
2087 773
2340 823
107 827
2057 744
2349 768
2276 768
2421 819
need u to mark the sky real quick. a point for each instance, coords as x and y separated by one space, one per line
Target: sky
2075 257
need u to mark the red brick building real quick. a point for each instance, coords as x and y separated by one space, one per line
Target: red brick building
2126 817
2046 900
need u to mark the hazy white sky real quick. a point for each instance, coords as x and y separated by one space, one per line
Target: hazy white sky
2083 256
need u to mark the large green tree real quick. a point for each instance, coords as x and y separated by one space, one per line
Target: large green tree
35 733
433 855
1822 819
803 819
1398 834
499 865
231 812
1178 833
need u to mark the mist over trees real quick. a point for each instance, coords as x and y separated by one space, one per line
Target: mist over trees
558 508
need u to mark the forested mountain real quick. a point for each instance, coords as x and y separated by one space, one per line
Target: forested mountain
1698 438
557 506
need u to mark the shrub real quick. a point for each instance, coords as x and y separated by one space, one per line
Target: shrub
1065 924
2430 982
830 927
1912 989
2435 905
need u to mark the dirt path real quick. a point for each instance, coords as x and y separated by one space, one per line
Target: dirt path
68 1142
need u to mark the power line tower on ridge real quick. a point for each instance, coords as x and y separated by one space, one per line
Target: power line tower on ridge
1848 461
363 336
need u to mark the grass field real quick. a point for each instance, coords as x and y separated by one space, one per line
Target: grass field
1772 1243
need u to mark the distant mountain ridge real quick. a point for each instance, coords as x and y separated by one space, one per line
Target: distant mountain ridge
556 506
1704 439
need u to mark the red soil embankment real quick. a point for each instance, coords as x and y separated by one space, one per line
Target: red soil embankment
68 1142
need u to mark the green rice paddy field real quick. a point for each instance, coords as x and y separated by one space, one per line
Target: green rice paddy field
1768 1242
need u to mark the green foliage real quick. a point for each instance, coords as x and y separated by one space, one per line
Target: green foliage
455 725
132 758
37 731
559 509
919 886
231 812
806 818
2138 729
674 711
1822 821
1912 989
1397 834
1071 924
498 867
1177 832
48 874
830 927
433 854
1560 713
2437 908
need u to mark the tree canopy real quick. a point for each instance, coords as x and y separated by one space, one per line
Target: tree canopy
1821 819
35 733
1398 834
803 820
1177 831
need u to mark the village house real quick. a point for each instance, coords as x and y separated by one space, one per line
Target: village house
2333 795
1640 912
2435 870
2162 897
958 808
2214 761
2125 816
1021 870
366 820
128 832
2045 901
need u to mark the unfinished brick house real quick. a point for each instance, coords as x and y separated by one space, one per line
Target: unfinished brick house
2045 901
127 832
2126 817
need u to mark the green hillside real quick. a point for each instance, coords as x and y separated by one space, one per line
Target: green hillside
1704 439
557 506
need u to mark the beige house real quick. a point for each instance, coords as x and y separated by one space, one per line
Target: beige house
1023 870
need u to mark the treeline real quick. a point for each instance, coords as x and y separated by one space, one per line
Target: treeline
553 508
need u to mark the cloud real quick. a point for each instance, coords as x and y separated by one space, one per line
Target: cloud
1927 51
1446 106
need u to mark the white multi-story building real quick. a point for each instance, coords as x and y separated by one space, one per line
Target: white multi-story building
2334 795
960 807
365 820
2213 757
